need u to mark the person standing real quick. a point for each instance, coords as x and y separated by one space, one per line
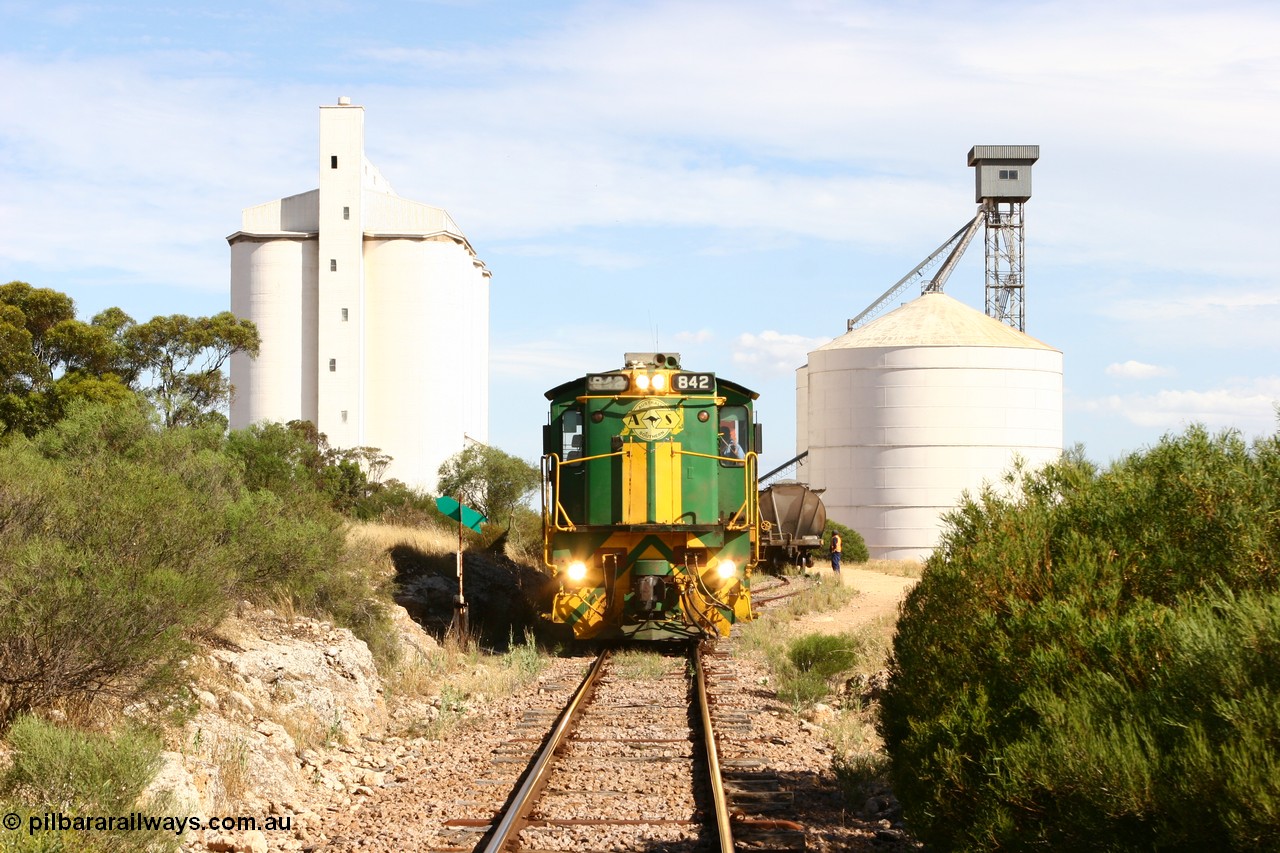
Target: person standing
837 546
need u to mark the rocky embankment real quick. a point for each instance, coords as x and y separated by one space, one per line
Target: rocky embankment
291 723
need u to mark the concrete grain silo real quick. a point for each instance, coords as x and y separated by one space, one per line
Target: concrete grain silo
373 312
902 415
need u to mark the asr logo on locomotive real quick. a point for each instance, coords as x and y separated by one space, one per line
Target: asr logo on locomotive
653 420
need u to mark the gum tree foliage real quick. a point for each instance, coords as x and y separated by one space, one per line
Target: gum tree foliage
113 548
488 479
180 361
1089 660
49 359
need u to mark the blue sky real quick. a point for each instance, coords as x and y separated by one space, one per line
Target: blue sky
731 180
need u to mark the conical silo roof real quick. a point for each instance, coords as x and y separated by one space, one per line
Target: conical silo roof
935 320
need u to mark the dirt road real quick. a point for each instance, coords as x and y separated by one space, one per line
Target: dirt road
879 595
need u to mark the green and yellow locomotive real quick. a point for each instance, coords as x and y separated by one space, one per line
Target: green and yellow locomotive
650 512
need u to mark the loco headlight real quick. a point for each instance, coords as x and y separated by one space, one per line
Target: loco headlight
642 381
727 569
577 571
659 381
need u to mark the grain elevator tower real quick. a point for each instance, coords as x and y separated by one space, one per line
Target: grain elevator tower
373 311
1002 174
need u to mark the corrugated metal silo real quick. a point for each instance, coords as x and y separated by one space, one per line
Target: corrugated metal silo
907 412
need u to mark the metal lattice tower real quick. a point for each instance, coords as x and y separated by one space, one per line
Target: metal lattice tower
1006 276
1003 182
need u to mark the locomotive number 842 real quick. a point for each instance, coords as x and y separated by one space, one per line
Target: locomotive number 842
650 511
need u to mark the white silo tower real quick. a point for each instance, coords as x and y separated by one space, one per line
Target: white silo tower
905 413
373 311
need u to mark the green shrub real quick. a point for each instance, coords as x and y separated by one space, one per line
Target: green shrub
57 767
802 689
859 773
113 562
824 655
524 658
524 536
853 548
804 675
73 773
1089 662
120 542
355 595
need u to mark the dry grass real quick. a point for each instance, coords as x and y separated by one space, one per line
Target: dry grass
641 665
457 677
878 636
428 540
766 636
88 712
308 730
898 568
853 732
821 598
231 757
419 674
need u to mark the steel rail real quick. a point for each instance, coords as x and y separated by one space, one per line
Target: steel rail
513 819
721 802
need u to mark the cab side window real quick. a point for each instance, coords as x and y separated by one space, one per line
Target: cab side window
571 435
733 431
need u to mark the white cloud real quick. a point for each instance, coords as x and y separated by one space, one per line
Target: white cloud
1137 370
1219 316
1249 407
773 352
535 359
824 138
586 256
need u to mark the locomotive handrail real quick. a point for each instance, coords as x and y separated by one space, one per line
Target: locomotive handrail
558 511
751 502
552 460
546 484
742 518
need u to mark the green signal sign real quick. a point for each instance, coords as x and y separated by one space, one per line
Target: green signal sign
458 512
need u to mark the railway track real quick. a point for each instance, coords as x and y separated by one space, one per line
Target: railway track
632 762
